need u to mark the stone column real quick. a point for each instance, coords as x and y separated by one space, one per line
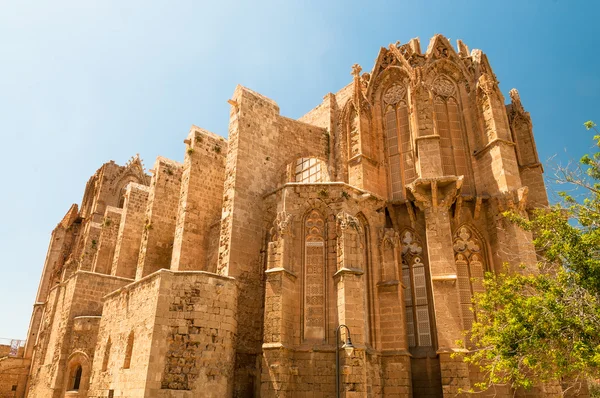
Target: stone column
350 287
434 197
281 293
107 241
129 239
158 236
392 317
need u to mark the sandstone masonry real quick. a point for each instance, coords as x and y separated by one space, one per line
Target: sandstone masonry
227 275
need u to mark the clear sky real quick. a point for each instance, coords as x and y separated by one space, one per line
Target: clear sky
84 82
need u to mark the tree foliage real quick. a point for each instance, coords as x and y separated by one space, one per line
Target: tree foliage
534 327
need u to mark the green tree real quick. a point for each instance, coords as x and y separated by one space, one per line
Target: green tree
534 327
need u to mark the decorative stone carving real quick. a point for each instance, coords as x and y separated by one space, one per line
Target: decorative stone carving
314 274
410 245
388 59
441 51
469 270
389 234
515 99
443 86
486 84
356 69
345 220
282 225
394 94
464 241
364 80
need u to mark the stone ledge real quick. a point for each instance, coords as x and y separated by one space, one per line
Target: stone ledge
286 271
356 159
444 278
492 144
353 271
158 273
324 184
389 283
451 350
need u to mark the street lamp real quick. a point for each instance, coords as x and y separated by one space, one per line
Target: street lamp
348 347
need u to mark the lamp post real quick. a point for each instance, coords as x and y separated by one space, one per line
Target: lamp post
348 347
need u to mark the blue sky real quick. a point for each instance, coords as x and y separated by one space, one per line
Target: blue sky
84 82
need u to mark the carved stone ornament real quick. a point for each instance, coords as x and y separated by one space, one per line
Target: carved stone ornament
485 83
443 86
345 220
388 59
441 51
464 241
394 94
410 245
282 225
515 98
364 79
390 235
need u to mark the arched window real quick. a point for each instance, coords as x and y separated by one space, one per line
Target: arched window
106 355
122 192
399 150
455 156
308 170
75 379
128 352
470 268
314 276
369 301
525 146
359 133
416 295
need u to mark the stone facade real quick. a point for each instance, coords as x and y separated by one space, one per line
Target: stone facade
228 275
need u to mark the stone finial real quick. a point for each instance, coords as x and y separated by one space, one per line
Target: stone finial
485 83
463 50
356 69
515 98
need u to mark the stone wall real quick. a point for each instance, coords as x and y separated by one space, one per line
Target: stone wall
200 201
107 240
244 270
183 329
131 228
261 145
156 248
80 295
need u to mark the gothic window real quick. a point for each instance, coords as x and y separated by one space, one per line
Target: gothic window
106 355
470 266
525 146
366 265
308 170
314 276
128 352
399 151
455 156
416 294
122 197
75 380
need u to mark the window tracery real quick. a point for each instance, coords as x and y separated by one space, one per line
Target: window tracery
470 268
399 150
314 276
450 129
308 170
416 294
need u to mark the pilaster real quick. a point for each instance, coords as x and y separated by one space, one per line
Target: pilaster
434 197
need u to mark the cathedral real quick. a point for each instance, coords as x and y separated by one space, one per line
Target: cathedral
365 227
